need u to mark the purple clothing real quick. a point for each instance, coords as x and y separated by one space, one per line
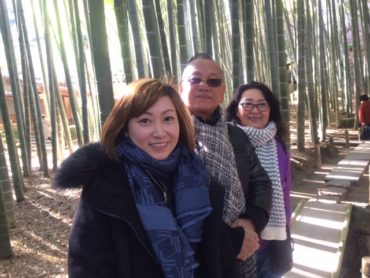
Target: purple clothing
286 178
286 182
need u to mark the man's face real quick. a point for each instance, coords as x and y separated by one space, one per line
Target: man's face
202 87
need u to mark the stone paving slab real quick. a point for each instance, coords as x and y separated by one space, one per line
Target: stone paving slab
352 166
331 193
344 175
319 231
353 163
359 156
332 190
339 183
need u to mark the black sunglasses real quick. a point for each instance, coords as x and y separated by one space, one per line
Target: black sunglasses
212 82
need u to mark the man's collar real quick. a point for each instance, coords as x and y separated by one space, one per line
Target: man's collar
214 119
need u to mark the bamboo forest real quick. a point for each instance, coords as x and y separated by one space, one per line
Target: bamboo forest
65 63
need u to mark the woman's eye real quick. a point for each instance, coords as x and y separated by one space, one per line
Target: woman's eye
144 121
169 118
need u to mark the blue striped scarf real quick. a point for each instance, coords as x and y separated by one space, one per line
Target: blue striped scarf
170 235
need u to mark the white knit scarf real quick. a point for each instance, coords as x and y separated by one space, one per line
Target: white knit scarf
216 152
263 139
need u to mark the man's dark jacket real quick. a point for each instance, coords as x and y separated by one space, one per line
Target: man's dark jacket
254 179
108 238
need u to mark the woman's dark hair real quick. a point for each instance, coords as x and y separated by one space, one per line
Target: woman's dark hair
275 114
364 98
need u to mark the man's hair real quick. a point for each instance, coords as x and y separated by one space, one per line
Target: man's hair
199 56
202 56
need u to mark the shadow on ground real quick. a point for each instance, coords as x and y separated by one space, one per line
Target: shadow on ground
39 238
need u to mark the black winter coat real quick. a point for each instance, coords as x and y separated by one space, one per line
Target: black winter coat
108 238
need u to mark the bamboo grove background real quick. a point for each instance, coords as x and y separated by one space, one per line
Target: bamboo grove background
314 54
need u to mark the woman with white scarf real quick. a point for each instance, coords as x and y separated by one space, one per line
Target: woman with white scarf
256 111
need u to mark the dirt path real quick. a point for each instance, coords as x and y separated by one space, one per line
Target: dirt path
40 238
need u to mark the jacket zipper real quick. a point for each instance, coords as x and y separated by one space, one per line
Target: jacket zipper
133 229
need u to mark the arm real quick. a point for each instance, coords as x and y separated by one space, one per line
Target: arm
257 189
250 243
259 195
255 181
286 178
287 187
360 114
91 252
258 206
220 243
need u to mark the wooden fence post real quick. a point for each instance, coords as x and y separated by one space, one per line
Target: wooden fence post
318 156
347 139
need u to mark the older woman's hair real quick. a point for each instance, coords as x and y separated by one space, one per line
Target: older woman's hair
138 98
275 114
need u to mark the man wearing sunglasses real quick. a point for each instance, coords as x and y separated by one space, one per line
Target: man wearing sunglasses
228 156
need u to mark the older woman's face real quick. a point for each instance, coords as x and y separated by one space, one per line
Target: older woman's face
253 109
157 130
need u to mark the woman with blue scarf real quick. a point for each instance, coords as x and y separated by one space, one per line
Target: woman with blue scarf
147 207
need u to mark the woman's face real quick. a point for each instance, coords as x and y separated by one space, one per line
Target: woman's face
253 109
157 130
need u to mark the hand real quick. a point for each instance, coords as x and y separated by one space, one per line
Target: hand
251 240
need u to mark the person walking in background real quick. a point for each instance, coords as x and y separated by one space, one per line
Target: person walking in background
364 117
256 111
147 207
46 127
228 156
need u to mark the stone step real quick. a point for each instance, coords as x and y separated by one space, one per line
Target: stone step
352 176
351 168
319 231
331 194
331 190
338 183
